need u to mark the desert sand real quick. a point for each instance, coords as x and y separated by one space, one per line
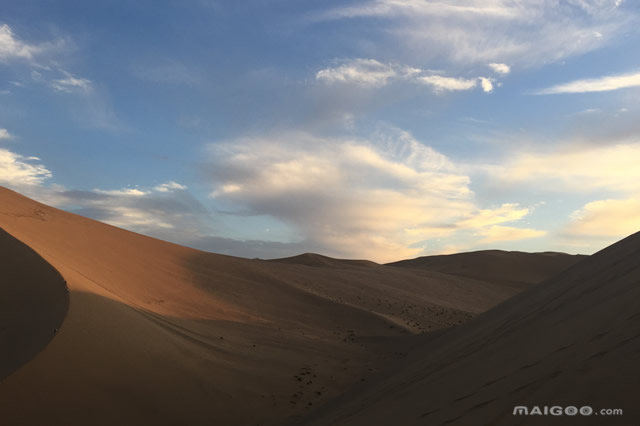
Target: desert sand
33 303
513 268
155 333
573 340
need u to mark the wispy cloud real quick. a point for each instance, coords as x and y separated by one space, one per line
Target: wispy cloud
70 84
422 8
125 192
366 72
13 48
169 186
61 81
43 61
20 171
374 74
601 84
527 33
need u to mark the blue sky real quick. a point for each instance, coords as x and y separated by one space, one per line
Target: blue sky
380 129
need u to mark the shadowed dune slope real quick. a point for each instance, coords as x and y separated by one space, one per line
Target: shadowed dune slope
162 334
33 302
572 340
508 267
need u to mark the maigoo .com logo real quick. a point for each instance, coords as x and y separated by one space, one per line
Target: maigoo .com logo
569 410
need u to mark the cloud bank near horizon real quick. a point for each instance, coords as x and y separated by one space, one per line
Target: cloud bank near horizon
382 198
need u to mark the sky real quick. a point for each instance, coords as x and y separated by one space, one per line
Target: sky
377 129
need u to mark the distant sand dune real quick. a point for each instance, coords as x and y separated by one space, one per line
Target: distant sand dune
162 334
508 267
313 259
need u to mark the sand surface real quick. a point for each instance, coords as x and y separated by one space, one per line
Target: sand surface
156 333
514 268
33 302
572 340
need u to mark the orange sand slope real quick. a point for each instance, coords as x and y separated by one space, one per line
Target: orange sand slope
162 334
573 340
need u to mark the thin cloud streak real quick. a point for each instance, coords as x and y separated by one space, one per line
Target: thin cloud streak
601 84
374 74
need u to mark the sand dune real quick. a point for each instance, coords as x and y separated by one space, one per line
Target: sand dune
573 340
33 302
313 259
162 334
508 267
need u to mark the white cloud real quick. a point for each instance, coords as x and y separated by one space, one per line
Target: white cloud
601 223
125 192
44 61
169 186
613 218
482 218
578 169
375 198
4 134
372 73
497 233
441 84
12 48
596 7
19 171
366 72
70 84
388 8
134 218
601 84
486 84
527 32
501 69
